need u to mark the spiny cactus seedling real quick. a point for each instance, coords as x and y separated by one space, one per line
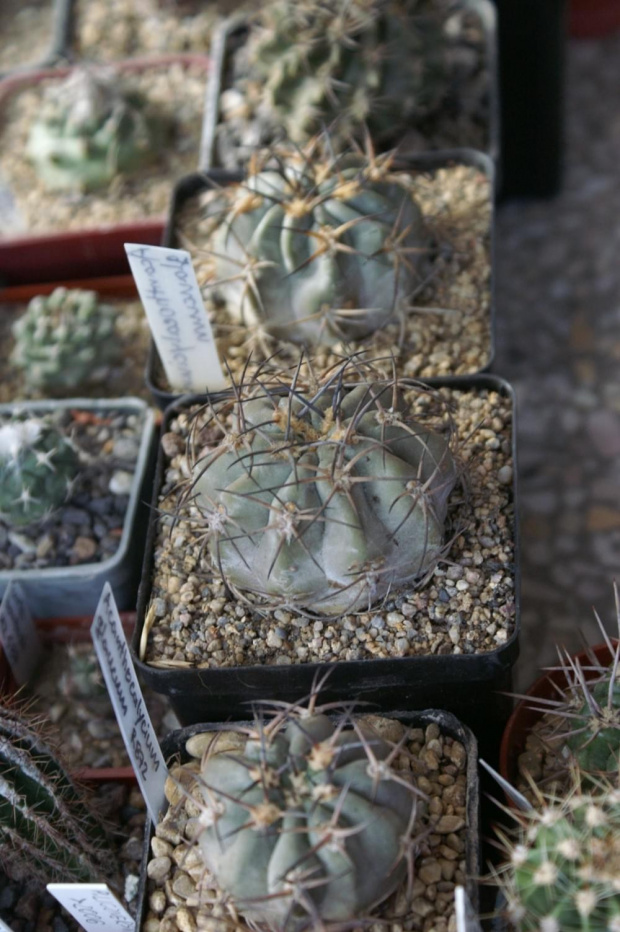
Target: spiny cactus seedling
322 501
317 249
311 824
47 829
563 873
37 469
374 63
89 129
65 340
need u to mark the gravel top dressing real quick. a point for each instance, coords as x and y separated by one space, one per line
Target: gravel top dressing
179 883
467 606
26 30
177 89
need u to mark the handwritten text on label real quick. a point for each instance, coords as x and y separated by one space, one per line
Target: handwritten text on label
94 906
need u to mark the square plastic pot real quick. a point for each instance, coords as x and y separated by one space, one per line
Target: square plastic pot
173 748
460 683
59 41
45 257
193 185
232 34
52 590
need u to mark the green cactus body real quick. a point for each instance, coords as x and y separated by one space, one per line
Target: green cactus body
319 252
371 63
325 502
595 741
47 831
89 130
37 468
564 874
309 825
65 340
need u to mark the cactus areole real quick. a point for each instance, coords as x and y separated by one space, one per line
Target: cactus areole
324 503
310 825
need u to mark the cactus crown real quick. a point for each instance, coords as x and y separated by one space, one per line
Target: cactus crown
47 829
314 248
564 863
310 824
37 469
373 63
90 129
323 500
65 340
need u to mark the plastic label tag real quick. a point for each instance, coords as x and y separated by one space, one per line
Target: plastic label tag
94 906
169 291
133 719
466 918
4 927
18 634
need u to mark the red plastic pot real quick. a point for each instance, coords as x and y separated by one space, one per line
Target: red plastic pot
73 630
591 19
524 717
115 286
46 257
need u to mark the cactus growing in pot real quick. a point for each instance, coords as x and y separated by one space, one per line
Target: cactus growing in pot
90 129
317 249
324 500
37 469
64 340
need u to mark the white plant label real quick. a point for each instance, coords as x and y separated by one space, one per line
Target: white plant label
169 292
18 634
94 906
466 918
4 927
133 719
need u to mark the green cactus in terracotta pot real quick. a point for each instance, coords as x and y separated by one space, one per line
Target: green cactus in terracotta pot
316 249
323 501
65 340
37 469
310 824
90 128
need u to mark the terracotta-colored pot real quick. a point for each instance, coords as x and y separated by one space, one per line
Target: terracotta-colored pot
590 19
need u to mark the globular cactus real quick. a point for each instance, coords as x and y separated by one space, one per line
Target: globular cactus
90 129
316 249
323 501
65 340
369 63
563 873
48 831
37 469
310 824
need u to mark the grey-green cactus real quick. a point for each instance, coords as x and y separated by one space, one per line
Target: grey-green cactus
47 829
365 63
316 249
310 824
37 469
65 340
563 873
89 129
323 501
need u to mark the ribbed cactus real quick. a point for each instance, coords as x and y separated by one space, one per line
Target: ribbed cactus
47 829
90 129
564 869
317 249
369 63
324 500
65 340
37 468
310 824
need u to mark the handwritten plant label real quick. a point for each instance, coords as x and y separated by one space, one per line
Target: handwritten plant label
94 906
18 634
133 719
167 284
466 918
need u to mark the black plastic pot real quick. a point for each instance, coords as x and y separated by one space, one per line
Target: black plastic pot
463 684
195 184
59 42
173 748
232 35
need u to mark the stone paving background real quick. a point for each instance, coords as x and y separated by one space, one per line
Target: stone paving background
558 331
